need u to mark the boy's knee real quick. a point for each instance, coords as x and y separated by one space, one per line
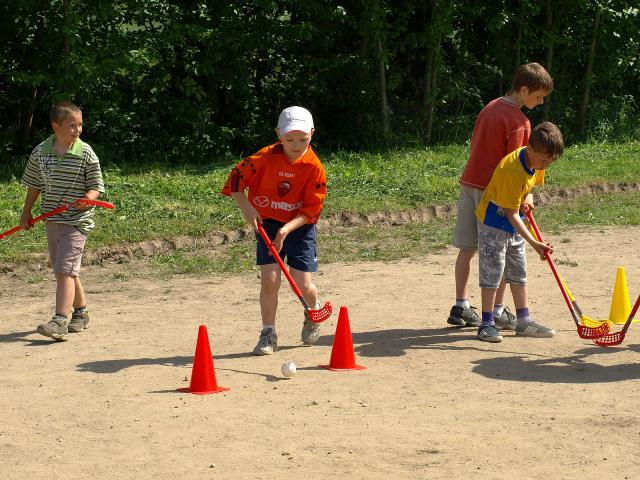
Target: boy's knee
308 288
466 254
270 284
65 275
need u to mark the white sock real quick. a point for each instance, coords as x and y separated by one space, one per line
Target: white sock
272 327
498 309
463 302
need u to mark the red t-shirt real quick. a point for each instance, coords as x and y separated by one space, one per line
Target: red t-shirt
500 128
278 188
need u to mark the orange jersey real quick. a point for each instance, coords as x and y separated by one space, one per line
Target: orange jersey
278 188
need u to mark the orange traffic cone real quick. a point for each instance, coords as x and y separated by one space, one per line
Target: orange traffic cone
203 376
342 354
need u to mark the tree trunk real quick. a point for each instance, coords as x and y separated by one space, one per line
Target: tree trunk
28 123
382 86
431 71
519 34
589 73
549 55
67 43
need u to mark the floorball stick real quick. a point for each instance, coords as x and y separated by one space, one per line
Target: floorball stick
584 319
583 330
617 338
60 209
316 316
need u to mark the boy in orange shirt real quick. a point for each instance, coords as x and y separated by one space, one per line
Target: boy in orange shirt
500 128
286 186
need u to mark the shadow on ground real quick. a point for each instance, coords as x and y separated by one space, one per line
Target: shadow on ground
113 366
570 369
506 365
511 366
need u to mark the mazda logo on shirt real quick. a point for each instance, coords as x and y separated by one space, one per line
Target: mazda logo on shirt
261 201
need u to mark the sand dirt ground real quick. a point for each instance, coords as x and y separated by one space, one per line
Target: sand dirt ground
433 403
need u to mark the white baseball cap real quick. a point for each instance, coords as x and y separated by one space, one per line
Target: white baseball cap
295 118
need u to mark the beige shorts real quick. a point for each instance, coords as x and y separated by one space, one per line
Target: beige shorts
66 246
465 234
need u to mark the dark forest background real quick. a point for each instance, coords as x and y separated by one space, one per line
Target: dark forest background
197 81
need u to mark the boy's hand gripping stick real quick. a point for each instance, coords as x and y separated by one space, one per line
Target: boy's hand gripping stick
316 316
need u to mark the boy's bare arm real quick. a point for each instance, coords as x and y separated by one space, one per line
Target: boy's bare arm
528 201
250 214
92 194
517 223
30 200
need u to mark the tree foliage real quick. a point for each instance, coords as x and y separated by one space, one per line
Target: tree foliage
185 81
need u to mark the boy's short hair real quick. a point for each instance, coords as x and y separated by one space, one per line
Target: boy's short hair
60 110
547 138
533 76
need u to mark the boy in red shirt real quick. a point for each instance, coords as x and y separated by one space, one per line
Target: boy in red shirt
286 186
500 128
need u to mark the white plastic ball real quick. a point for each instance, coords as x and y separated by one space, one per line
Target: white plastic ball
288 368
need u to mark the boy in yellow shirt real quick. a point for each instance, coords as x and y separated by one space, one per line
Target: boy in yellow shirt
502 233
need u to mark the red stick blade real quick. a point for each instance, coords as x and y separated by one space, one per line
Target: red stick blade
610 340
320 315
591 333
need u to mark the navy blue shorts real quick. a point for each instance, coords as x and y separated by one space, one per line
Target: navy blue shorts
299 247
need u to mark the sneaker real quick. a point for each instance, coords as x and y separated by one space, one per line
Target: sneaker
79 321
533 329
463 317
310 331
507 320
489 333
56 328
268 343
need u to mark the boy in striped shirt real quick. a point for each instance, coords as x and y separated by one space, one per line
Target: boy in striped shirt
63 169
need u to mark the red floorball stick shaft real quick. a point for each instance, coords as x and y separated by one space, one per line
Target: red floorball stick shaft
583 331
55 211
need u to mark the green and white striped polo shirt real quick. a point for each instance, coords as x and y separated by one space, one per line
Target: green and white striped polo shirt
62 180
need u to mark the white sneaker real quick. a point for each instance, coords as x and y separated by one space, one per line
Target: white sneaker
533 329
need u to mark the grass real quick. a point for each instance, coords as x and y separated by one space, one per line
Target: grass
620 209
165 202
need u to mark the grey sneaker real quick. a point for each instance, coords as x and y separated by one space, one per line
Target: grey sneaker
533 329
507 320
310 331
268 343
79 321
56 328
489 333
463 317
